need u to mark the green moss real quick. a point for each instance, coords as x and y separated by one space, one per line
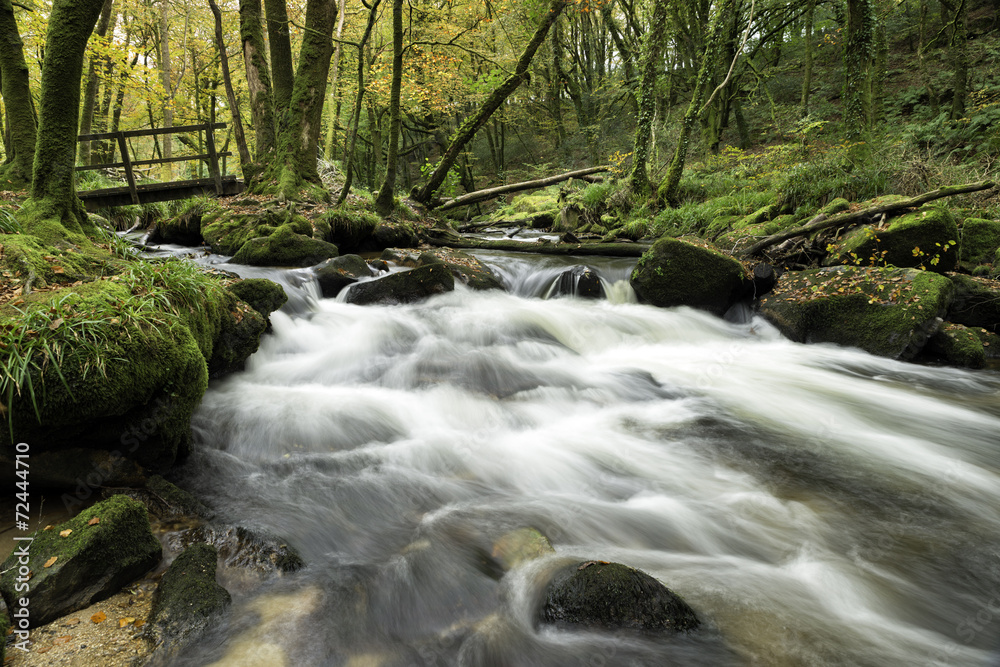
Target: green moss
188 599
675 272
885 311
980 241
92 562
285 247
838 205
350 230
261 294
959 346
924 239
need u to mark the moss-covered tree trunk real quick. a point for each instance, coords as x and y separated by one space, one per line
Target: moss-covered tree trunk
807 58
166 74
16 172
258 78
53 208
496 98
859 69
669 186
958 53
386 194
280 47
90 92
651 66
298 134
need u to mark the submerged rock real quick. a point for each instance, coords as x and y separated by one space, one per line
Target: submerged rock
335 274
242 547
976 303
188 600
612 596
84 560
581 281
404 287
285 247
519 546
885 311
958 346
675 272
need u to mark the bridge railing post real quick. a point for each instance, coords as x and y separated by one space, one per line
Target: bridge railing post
213 158
127 162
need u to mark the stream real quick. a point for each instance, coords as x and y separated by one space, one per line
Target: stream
815 505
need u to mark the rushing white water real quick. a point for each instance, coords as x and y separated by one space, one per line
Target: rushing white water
814 505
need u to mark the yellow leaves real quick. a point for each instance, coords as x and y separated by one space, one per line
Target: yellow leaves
50 562
125 621
94 521
99 617
65 533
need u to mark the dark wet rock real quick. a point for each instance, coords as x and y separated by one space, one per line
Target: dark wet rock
612 596
284 247
763 281
980 242
91 563
166 501
184 229
78 472
581 281
261 294
335 274
675 272
925 238
241 547
956 345
188 601
889 312
404 286
463 266
395 235
976 302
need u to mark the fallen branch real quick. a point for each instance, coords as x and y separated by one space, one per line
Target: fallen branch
490 193
605 249
821 221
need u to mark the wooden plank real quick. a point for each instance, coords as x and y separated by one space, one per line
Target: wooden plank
126 161
96 200
137 163
149 133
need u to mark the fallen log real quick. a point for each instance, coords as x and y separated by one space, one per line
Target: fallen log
822 221
490 193
604 249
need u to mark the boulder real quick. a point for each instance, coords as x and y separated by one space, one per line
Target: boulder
84 560
462 265
335 274
675 272
976 302
885 311
261 294
395 235
351 231
980 241
285 247
404 286
579 281
612 596
924 239
242 547
957 346
81 472
167 502
188 600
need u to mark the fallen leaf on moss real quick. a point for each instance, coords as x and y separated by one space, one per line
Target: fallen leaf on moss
52 561
65 533
140 623
62 640
93 522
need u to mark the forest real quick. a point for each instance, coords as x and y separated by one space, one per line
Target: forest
499 332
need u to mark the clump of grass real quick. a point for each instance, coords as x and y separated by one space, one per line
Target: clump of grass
9 223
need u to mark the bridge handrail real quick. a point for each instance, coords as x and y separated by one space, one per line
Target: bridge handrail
128 163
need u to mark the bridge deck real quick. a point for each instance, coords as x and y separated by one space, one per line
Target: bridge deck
153 192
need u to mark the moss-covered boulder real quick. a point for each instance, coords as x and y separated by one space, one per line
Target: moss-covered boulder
990 341
976 302
463 266
615 597
185 228
956 345
925 238
82 561
885 311
351 231
335 274
980 241
395 235
285 247
188 600
263 295
675 272
404 286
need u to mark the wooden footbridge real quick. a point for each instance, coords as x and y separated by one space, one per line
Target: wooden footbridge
144 193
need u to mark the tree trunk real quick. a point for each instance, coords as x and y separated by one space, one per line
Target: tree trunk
670 184
469 128
234 106
639 178
53 208
90 92
166 169
959 55
807 59
384 201
258 78
358 103
492 193
16 173
298 138
859 69
281 54
331 130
